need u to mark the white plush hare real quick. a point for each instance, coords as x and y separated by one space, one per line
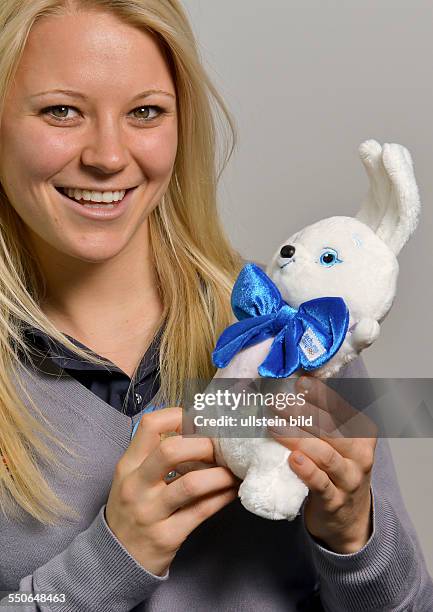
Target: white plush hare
351 259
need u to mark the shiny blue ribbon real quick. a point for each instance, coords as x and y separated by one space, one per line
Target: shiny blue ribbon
305 338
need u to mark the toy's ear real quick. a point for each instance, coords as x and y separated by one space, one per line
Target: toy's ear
392 205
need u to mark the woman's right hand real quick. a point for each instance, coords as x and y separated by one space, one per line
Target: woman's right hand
152 517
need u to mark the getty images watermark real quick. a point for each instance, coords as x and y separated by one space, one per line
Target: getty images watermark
243 408
348 407
242 400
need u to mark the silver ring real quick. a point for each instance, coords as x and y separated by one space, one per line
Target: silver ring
171 475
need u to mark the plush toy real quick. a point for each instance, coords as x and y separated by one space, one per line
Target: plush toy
321 302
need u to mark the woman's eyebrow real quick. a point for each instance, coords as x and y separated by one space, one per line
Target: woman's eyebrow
77 94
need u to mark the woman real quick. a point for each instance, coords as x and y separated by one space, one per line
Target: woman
103 102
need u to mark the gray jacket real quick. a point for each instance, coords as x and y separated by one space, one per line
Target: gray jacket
235 561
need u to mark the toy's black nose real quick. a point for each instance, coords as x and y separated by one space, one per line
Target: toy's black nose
287 251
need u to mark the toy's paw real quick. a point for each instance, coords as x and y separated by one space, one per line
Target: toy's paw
365 333
273 494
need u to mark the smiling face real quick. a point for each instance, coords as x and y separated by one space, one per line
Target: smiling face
117 131
337 257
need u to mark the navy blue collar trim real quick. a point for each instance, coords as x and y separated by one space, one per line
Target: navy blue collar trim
48 347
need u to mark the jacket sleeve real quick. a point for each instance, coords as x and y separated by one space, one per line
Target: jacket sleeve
389 572
95 572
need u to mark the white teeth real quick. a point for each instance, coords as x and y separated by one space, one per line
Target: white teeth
95 196
107 196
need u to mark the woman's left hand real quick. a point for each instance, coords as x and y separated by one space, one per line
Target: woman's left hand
335 468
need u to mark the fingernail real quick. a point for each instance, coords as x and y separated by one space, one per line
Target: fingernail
297 458
306 382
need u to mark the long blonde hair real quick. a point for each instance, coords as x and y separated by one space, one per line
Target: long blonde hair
195 264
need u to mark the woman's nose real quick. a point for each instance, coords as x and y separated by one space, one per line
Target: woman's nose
287 251
105 150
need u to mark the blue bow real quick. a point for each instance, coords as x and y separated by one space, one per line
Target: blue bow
305 338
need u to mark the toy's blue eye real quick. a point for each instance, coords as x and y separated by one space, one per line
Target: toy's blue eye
329 258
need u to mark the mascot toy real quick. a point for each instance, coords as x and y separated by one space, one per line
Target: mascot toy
320 303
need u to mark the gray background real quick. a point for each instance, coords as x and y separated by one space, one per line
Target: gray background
307 81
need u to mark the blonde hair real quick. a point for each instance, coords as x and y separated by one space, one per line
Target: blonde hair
194 262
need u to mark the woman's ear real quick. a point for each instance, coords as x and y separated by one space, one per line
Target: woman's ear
392 205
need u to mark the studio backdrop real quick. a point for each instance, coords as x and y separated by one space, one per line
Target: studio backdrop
308 81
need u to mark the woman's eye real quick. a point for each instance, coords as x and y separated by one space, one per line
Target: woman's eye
51 110
145 112
329 258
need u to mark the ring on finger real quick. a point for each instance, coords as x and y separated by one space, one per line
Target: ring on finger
171 475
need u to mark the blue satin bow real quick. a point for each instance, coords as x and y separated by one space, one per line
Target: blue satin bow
306 338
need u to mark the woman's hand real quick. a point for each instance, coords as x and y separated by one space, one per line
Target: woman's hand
336 469
151 517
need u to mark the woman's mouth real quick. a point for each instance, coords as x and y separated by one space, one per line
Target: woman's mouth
97 205
94 199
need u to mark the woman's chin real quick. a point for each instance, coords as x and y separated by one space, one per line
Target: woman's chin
103 250
97 255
